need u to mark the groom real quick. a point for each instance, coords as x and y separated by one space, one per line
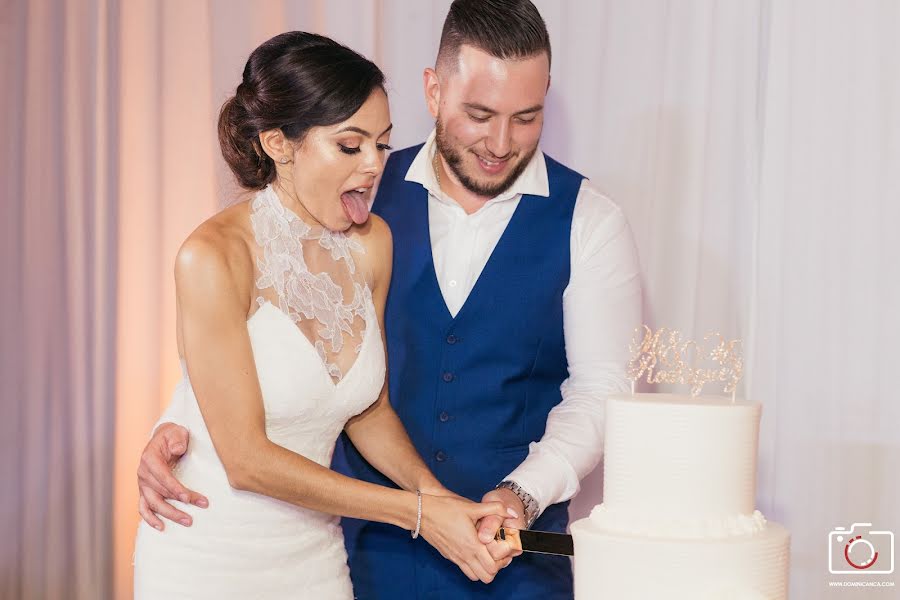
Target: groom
514 294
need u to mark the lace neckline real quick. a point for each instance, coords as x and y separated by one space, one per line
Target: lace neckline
276 214
284 241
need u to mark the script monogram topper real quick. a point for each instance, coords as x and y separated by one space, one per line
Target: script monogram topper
661 356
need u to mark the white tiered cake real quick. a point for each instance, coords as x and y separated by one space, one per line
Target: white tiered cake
678 518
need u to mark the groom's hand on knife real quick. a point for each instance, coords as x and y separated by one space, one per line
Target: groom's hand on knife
489 525
157 484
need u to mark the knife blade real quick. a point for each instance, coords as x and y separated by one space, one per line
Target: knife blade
541 542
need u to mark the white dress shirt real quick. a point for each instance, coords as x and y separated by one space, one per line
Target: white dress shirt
601 309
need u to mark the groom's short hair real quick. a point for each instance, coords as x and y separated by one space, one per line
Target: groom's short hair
506 29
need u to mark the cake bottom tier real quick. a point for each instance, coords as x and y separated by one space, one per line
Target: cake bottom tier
622 567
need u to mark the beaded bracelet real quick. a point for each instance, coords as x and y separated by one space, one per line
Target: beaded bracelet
415 533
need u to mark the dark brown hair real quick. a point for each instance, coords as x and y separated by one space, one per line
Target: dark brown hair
293 82
506 29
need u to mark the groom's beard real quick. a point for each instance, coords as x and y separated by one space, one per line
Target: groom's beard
454 160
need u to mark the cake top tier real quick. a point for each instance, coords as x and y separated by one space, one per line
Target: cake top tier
676 456
705 401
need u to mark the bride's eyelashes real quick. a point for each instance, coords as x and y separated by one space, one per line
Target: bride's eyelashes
356 149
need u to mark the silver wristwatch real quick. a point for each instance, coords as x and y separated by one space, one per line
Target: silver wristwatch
528 501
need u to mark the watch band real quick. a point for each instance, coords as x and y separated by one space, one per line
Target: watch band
528 501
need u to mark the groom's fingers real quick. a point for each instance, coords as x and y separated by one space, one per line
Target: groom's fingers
167 485
176 491
156 473
499 550
164 449
174 438
147 479
158 505
517 523
148 516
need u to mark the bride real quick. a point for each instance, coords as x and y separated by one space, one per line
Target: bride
280 303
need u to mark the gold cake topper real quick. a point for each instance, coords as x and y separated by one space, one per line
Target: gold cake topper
662 356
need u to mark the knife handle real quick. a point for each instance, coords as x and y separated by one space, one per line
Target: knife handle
510 536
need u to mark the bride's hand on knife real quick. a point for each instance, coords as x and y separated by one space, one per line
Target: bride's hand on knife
448 524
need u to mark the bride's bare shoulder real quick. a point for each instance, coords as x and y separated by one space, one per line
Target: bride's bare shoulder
375 236
218 253
374 233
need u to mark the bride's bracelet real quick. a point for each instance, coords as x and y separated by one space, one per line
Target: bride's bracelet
415 533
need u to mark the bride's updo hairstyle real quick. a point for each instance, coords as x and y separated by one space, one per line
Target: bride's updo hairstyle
293 82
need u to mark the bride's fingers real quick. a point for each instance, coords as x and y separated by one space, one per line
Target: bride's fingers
467 571
479 569
485 509
487 528
487 564
148 516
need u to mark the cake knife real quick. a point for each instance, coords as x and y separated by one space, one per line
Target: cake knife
542 542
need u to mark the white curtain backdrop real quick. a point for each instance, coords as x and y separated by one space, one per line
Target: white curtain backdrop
755 146
827 284
756 149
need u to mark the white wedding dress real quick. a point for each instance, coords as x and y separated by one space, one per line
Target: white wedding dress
320 361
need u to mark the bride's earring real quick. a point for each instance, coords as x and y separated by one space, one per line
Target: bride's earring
284 160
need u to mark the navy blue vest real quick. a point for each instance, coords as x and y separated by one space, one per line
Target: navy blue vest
473 391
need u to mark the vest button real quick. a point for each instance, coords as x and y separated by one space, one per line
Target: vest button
452 339
444 417
448 377
440 456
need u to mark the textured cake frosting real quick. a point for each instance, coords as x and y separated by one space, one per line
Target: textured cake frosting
678 518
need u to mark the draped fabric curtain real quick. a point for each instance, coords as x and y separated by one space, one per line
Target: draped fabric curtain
59 174
754 145
827 284
756 149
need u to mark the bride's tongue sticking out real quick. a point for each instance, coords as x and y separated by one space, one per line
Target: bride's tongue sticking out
356 205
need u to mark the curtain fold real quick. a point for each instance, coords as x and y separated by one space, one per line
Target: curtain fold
59 315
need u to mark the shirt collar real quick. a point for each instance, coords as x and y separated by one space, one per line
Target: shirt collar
533 179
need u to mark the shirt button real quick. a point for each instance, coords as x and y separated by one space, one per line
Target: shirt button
448 377
444 417
452 283
452 339
440 456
